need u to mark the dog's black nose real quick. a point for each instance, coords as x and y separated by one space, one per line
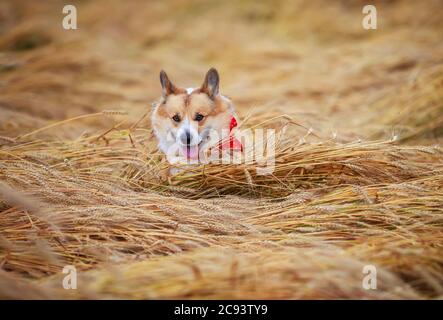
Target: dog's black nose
185 138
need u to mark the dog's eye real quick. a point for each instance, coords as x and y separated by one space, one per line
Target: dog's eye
199 117
176 118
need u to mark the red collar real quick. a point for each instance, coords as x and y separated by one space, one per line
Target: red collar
233 143
232 124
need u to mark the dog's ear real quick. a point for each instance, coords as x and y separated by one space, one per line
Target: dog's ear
211 83
167 86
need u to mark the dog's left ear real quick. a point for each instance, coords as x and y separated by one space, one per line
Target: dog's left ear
211 83
167 86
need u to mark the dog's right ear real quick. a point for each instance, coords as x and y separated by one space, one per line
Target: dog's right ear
167 86
211 83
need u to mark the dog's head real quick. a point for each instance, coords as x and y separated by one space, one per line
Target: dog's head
185 118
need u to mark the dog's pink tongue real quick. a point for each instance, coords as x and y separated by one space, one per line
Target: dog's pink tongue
191 152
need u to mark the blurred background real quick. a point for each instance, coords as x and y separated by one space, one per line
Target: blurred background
311 60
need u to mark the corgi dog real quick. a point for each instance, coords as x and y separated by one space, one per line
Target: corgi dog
189 122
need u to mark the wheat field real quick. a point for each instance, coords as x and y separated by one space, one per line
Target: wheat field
358 169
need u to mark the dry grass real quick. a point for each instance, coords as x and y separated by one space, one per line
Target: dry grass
358 171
